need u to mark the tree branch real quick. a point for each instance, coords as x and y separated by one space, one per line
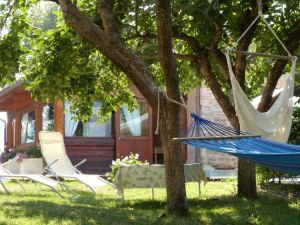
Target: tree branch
223 100
164 38
241 62
105 8
217 54
292 43
112 48
8 14
185 57
136 15
205 69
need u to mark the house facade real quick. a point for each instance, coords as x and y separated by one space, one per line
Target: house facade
98 142
215 164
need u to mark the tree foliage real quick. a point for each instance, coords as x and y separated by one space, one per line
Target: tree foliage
57 63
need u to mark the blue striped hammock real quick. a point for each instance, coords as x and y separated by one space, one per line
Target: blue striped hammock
216 137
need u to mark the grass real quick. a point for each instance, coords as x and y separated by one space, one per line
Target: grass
217 206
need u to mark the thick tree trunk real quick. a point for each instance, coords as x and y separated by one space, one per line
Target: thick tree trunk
169 122
170 128
246 179
246 170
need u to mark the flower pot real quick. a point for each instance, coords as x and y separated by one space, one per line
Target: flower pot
31 166
26 166
13 166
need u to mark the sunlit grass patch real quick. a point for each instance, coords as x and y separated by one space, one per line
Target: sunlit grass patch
218 205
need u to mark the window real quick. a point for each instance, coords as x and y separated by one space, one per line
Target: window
28 127
93 128
134 123
48 118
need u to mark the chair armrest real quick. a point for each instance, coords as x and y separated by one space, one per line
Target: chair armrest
6 163
81 162
47 168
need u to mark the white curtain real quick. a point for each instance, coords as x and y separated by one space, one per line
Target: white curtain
275 124
133 121
94 128
70 124
24 124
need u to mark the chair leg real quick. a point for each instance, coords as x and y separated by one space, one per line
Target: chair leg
152 194
56 191
7 192
52 188
199 187
21 185
91 188
68 189
60 183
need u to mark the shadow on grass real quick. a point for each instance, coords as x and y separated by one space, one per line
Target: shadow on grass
88 209
235 210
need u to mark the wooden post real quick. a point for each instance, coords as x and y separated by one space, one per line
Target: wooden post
59 116
10 132
17 130
38 121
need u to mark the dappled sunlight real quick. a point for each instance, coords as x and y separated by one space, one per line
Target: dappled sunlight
218 205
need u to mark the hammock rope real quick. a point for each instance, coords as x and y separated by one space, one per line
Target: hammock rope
260 16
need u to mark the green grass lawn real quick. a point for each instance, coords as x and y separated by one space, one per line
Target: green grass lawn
217 206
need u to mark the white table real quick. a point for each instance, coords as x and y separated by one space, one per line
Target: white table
153 176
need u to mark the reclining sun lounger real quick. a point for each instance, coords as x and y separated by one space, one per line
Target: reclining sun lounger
59 164
52 184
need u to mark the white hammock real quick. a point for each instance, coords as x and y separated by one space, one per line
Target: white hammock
275 124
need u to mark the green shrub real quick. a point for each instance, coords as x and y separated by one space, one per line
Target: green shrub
21 153
128 160
266 175
30 152
295 130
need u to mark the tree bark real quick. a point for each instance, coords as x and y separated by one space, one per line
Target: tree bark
292 43
169 128
169 121
246 179
246 170
111 46
109 42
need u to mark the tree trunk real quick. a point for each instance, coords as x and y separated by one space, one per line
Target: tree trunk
246 179
246 171
169 121
109 43
170 128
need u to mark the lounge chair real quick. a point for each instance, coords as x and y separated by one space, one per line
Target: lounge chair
59 164
52 184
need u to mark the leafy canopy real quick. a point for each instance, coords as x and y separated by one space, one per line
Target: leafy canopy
56 63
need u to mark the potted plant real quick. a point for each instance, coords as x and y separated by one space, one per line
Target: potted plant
26 160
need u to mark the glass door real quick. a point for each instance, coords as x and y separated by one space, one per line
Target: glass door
133 131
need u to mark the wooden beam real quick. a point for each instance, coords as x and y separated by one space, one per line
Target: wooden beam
38 121
59 116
